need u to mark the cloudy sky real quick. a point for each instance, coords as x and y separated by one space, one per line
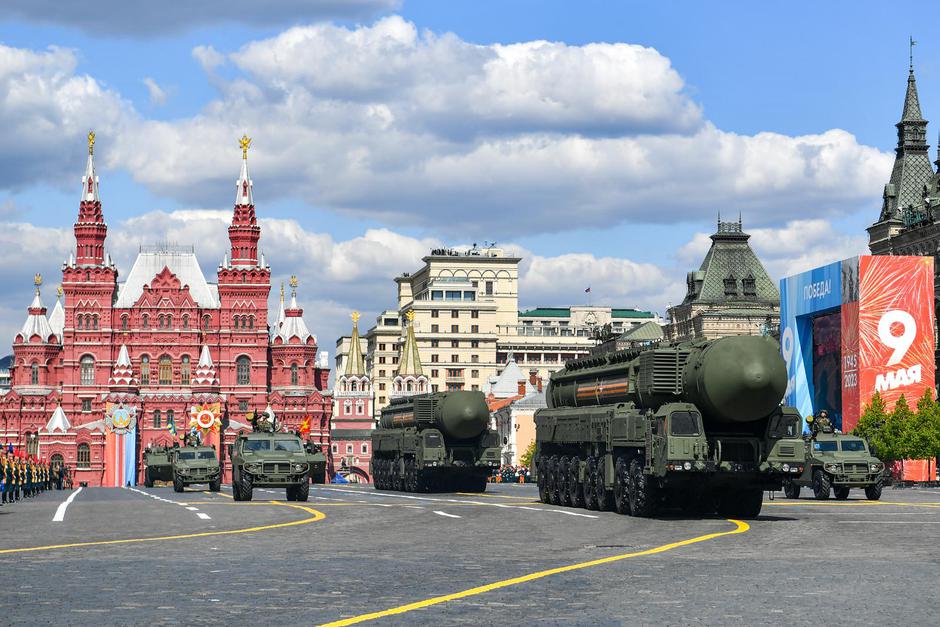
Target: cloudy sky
598 140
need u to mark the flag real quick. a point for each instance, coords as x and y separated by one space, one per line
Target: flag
305 427
588 290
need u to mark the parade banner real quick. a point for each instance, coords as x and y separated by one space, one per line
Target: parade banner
854 327
120 446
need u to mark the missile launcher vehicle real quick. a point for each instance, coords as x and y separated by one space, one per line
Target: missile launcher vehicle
696 426
438 441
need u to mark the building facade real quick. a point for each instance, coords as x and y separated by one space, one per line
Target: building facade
353 421
466 321
730 294
158 343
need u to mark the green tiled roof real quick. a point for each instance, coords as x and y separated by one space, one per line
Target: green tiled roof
548 312
646 332
630 313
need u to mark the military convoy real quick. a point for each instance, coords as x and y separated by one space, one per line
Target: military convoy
437 441
836 462
195 464
696 426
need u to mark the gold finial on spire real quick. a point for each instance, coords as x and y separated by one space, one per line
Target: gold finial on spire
58 291
282 292
293 280
410 315
355 317
245 143
37 280
91 142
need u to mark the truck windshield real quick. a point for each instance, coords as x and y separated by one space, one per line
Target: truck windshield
257 445
853 445
205 455
291 446
187 455
824 447
785 426
683 423
432 440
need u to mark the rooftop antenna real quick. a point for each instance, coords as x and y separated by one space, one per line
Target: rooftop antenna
911 53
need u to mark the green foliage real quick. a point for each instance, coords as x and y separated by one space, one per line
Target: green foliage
902 433
526 458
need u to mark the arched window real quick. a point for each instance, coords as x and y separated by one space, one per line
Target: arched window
84 456
157 419
124 323
360 407
205 323
170 417
57 460
166 370
145 321
347 407
251 322
243 370
237 321
94 322
87 370
80 321
354 386
32 444
34 374
293 374
184 370
169 321
731 286
145 370
185 321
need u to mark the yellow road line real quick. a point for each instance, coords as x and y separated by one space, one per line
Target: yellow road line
740 527
316 516
809 503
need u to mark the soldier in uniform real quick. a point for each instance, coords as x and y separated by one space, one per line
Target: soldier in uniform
3 476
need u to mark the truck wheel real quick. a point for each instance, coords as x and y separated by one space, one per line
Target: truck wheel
873 492
245 487
379 478
642 498
216 485
790 489
552 477
744 503
821 485
411 476
148 482
542 481
604 496
236 495
177 483
590 495
564 474
575 489
302 491
621 489
841 493
291 493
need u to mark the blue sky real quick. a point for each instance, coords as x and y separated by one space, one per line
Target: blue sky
588 187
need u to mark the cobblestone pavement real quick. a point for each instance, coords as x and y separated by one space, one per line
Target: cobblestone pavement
153 556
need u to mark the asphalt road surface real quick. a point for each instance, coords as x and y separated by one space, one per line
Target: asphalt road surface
122 556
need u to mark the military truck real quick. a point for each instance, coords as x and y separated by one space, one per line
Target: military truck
436 441
195 464
837 462
157 464
696 426
317 460
266 458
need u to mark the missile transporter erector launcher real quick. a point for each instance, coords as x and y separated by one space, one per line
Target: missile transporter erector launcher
694 425
438 441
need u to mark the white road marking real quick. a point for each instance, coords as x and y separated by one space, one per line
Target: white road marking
193 509
445 500
60 511
203 516
446 514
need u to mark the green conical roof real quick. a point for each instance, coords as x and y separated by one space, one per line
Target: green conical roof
911 112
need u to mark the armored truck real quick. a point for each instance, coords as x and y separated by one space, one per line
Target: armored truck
195 464
837 462
437 441
269 459
157 464
696 426
317 460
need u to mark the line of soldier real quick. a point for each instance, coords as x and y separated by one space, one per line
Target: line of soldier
23 476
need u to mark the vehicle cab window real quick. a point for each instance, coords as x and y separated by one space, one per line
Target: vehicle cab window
684 423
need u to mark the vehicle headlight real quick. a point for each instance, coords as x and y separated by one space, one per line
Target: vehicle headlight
299 467
832 467
687 465
875 467
786 468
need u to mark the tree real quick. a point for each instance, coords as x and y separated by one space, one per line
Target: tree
526 459
871 426
920 438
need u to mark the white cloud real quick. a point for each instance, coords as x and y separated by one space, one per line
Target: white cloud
157 94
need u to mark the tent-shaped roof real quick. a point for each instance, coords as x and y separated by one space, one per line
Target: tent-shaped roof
182 263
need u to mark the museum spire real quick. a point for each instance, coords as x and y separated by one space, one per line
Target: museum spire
244 232
90 229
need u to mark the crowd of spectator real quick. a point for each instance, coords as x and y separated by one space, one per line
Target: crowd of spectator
511 474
